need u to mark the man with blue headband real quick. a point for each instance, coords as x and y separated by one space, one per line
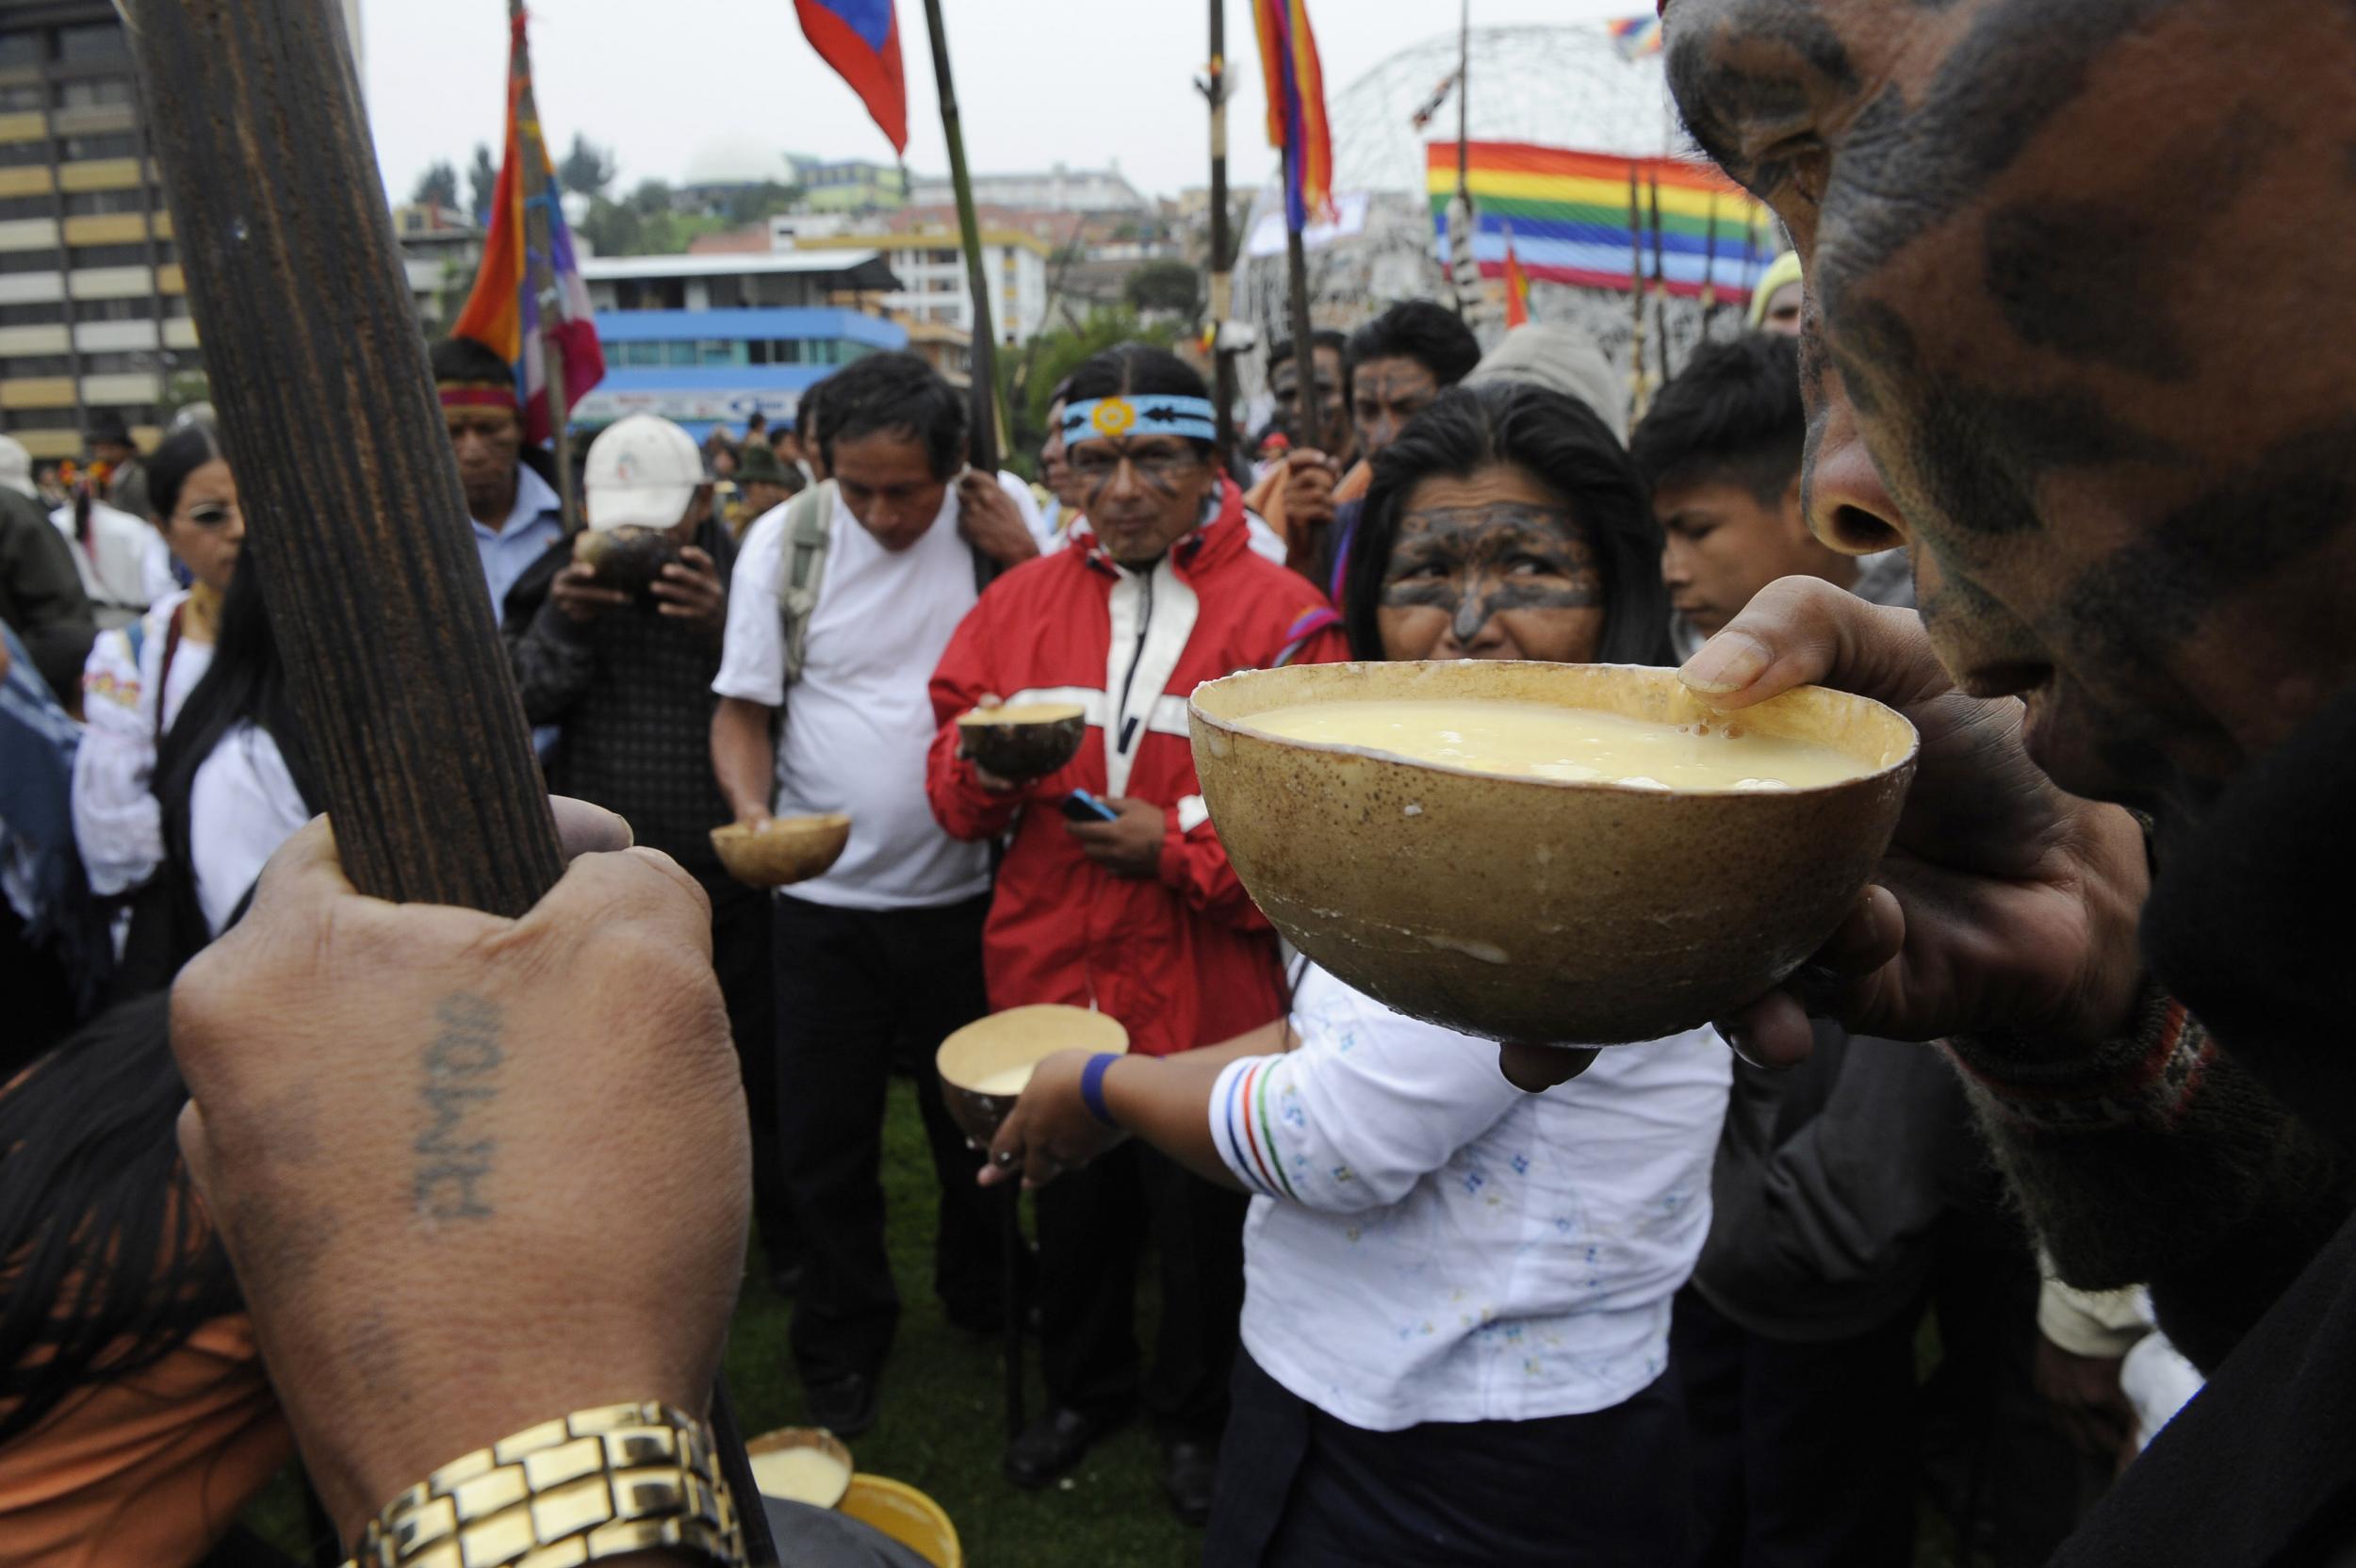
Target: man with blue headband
1115 893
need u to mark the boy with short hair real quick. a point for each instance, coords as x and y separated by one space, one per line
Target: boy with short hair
1721 449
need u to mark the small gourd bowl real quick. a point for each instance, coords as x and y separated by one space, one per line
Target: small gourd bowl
1026 741
1015 1040
782 850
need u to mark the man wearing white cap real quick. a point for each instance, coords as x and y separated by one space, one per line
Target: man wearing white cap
614 639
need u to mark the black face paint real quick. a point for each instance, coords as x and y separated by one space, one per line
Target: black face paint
1478 562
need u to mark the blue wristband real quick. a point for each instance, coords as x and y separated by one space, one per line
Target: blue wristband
1092 1085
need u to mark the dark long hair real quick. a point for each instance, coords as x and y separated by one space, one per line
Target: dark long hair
108 1261
182 453
246 683
1565 447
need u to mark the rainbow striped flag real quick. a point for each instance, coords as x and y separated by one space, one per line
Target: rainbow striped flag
1296 107
1636 36
501 312
1570 221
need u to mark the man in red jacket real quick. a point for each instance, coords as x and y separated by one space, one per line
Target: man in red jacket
1139 916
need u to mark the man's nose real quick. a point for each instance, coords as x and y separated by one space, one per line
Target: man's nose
1847 505
1675 569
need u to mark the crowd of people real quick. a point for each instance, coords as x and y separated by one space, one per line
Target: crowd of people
1423 1299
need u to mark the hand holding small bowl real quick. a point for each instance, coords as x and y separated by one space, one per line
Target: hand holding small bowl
782 850
1021 742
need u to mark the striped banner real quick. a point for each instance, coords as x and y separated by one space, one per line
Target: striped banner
1568 214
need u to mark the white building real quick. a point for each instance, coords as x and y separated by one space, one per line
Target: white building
931 269
1060 189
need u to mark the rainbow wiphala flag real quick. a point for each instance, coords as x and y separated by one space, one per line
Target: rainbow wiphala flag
1569 217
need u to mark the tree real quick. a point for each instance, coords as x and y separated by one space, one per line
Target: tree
1165 288
756 204
651 199
481 181
587 170
437 187
1056 354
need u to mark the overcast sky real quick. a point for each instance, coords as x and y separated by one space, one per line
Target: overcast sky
685 87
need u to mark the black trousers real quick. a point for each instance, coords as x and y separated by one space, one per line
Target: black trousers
859 993
745 958
1091 1224
1301 1488
1805 1455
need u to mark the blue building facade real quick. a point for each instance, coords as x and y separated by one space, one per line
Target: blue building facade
703 367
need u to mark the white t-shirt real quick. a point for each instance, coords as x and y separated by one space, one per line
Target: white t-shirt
860 720
243 805
1430 1244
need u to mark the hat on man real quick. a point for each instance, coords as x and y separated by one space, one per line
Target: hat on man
642 472
1784 270
758 464
107 429
1561 358
16 466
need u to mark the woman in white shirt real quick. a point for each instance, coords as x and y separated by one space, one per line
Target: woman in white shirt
1457 1318
137 676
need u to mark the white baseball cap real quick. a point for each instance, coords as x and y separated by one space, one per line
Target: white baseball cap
642 472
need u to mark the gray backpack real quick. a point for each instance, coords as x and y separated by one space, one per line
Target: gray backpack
802 568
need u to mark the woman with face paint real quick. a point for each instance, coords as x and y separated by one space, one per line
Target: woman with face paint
1456 1328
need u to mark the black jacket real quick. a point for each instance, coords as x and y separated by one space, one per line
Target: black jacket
41 597
630 692
2249 927
1829 1184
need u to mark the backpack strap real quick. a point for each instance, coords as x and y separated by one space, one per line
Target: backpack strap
802 569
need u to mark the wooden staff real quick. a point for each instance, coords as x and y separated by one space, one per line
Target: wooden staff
374 589
1222 248
982 445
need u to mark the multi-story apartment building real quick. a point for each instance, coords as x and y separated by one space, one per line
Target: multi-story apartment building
93 307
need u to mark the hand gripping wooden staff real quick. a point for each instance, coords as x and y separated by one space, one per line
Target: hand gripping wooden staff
328 413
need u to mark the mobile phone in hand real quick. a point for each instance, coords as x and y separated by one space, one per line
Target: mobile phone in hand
1080 806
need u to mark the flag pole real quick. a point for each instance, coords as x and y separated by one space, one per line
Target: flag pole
982 443
1660 285
540 271
1222 260
1460 211
1637 390
1710 271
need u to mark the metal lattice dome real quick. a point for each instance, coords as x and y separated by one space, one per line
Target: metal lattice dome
1556 85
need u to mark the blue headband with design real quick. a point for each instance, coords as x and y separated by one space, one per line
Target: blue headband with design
1147 414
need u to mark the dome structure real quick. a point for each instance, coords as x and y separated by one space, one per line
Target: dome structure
1553 85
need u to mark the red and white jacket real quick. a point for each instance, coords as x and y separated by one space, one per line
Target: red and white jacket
1184 958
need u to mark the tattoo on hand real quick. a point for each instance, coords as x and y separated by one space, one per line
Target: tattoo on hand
461 1075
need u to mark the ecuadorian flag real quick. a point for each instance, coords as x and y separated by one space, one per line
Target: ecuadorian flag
860 38
1568 218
